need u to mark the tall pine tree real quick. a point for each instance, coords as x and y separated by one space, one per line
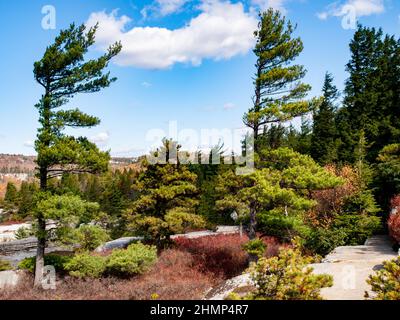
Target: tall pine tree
279 92
63 73
323 140
372 99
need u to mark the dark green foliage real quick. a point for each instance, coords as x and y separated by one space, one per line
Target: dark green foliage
283 227
323 240
323 141
371 95
11 195
26 201
358 228
387 179
167 194
55 260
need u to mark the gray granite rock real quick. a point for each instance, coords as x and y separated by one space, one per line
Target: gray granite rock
120 243
12 247
9 278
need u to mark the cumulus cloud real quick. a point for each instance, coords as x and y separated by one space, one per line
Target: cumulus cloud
100 139
221 30
29 144
359 7
163 7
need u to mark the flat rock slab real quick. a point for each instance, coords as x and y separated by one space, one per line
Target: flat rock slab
351 266
223 290
12 247
9 278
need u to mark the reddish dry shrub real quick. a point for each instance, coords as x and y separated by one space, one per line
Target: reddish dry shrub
174 277
394 219
222 255
395 204
330 202
183 273
394 227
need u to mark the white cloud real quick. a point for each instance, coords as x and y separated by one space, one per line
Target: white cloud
322 15
146 84
222 30
359 7
100 139
229 106
29 144
163 7
265 4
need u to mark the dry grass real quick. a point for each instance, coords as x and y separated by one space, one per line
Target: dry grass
173 277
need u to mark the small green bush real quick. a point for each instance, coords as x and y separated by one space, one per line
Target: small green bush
386 282
5 265
322 241
136 259
286 277
55 260
358 227
255 247
90 237
85 265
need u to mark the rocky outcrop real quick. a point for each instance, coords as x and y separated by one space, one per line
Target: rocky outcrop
12 247
240 283
10 278
351 266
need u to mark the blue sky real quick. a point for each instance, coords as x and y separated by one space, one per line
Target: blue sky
188 61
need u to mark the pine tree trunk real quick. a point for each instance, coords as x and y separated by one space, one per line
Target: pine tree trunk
41 246
252 233
257 108
41 236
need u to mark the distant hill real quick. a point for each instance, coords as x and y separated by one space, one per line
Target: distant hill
18 168
17 164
